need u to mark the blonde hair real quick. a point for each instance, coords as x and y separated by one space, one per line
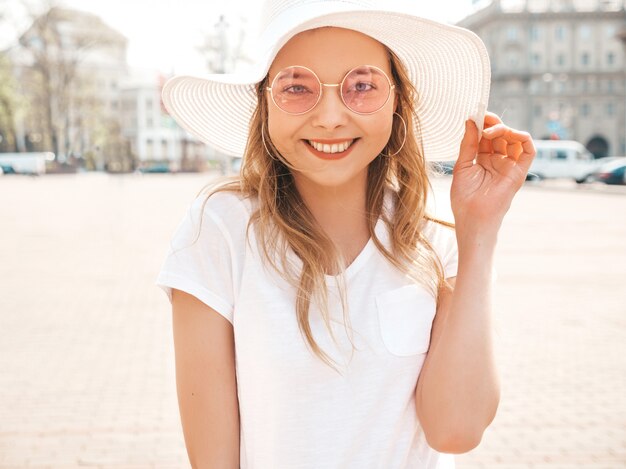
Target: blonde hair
283 221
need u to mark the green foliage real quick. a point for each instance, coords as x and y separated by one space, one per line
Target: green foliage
9 105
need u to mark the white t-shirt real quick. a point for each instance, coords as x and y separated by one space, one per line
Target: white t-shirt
295 411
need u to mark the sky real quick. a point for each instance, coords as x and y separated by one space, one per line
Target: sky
163 35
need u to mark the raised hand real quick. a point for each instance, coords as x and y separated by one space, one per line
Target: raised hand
487 174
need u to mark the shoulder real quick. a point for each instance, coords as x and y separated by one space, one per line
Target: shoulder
230 210
224 205
221 214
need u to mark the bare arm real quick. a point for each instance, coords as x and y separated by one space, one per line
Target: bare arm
458 389
206 383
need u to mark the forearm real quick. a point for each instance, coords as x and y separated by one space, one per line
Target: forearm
458 391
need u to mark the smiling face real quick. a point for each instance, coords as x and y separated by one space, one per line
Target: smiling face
330 145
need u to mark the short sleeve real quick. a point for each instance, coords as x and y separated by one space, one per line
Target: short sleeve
200 260
443 240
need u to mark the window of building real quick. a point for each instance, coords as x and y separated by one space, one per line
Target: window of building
610 58
535 60
559 33
534 86
584 110
149 122
584 31
537 110
610 109
584 59
611 31
511 33
610 86
560 60
534 33
149 104
559 86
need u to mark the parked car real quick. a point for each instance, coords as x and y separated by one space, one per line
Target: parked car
155 168
600 162
25 163
612 172
562 159
6 169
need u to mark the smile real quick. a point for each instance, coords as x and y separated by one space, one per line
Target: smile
338 147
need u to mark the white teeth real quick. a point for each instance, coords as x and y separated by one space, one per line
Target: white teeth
334 148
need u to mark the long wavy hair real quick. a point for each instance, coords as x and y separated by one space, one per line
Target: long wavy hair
282 222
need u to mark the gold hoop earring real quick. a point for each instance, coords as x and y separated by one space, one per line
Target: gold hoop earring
403 140
278 157
264 144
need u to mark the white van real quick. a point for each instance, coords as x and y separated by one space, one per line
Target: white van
562 159
27 163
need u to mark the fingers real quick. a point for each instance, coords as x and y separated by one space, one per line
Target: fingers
469 144
513 143
491 119
496 139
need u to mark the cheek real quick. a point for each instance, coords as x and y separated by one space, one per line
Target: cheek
380 131
280 128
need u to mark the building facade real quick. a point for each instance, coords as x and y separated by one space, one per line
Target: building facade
83 103
154 136
558 68
69 65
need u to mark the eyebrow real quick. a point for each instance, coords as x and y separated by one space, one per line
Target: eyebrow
367 72
291 74
295 74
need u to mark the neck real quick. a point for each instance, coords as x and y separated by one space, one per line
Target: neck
339 210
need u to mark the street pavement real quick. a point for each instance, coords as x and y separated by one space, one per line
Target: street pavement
86 356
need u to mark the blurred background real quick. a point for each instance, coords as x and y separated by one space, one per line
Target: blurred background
95 176
81 80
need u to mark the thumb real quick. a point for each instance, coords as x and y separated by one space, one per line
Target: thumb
469 144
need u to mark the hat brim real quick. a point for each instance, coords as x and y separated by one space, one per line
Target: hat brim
449 67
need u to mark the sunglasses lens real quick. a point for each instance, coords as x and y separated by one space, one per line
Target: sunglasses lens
295 90
365 89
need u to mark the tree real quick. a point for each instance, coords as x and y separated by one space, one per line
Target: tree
55 54
70 72
220 52
9 101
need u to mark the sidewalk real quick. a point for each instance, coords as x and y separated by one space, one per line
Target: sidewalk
86 353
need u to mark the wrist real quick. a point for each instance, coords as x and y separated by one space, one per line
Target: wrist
479 242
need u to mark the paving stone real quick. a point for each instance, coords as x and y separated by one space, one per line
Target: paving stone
86 350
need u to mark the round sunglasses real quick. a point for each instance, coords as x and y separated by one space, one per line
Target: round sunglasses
364 89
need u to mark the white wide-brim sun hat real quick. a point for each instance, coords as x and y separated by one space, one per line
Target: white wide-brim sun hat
448 65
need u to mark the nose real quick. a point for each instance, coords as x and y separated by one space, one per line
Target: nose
330 111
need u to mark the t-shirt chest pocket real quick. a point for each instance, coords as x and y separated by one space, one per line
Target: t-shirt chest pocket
405 316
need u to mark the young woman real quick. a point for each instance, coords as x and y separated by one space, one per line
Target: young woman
322 318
